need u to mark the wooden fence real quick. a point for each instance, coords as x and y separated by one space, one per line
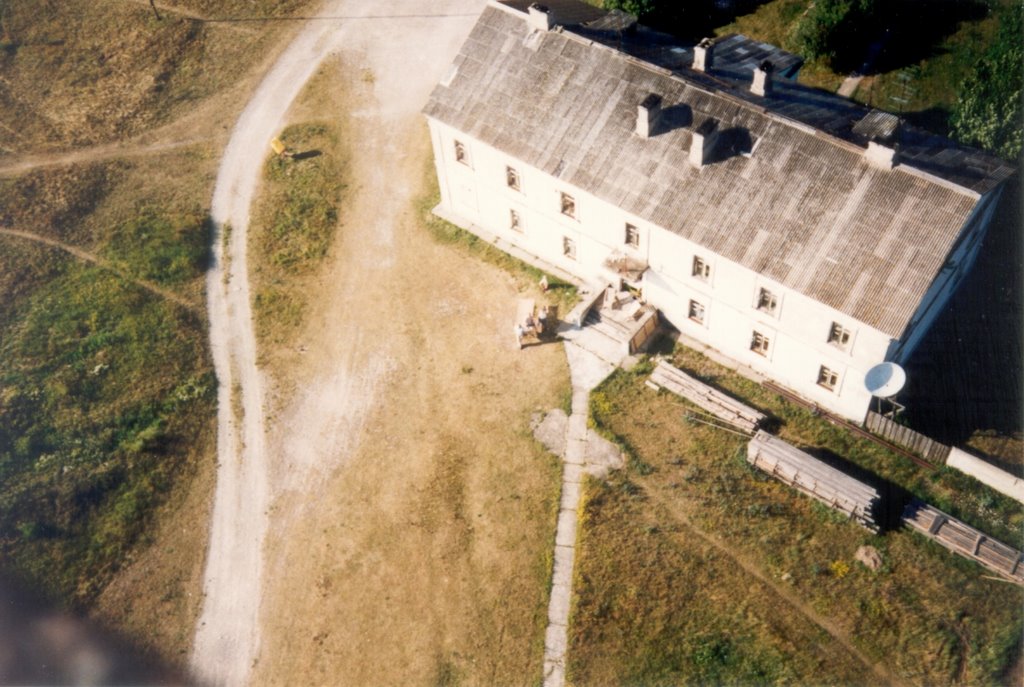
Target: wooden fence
648 325
929 449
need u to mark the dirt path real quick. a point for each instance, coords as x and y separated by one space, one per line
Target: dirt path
109 151
96 260
228 634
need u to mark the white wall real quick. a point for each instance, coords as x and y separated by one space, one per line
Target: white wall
986 473
798 329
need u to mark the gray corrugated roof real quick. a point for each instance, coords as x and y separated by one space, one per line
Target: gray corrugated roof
804 208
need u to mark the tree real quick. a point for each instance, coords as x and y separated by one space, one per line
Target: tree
988 111
835 29
638 8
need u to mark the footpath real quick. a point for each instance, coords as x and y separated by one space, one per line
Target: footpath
583 451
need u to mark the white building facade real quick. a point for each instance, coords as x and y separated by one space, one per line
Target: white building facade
712 284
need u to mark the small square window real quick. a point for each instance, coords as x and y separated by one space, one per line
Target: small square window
568 205
632 236
759 343
766 301
838 335
701 269
460 153
828 378
568 248
696 312
512 178
514 223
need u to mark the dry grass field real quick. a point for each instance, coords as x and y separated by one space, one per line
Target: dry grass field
417 551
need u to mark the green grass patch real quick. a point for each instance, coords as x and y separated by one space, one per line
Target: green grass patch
651 586
964 498
294 225
169 249
105 391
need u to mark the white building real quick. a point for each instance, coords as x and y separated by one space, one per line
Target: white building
792 230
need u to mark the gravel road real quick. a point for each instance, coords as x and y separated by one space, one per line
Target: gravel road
227 641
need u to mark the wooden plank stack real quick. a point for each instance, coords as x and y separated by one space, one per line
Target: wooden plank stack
963 539
666 376
813 477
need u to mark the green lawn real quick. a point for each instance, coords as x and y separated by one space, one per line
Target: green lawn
695 568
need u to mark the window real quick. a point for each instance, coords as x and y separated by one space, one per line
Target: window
632 236
766 301
512 178
568 205
838 335
513 221
828 378
461 154
759 343
696 312
568 248
701 269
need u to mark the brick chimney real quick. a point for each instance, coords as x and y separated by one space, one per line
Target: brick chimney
541 18
880 155
762 84
702 143
703 54
647 114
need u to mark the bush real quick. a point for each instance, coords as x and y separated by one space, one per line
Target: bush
835 31
988 111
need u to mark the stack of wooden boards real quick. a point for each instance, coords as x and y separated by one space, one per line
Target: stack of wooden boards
813 477
963 539
724 407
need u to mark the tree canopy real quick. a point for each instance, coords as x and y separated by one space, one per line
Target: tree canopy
988 112
835 30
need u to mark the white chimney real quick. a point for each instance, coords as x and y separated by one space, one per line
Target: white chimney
880 155
762 84
541 18
702 143
647 114
703 54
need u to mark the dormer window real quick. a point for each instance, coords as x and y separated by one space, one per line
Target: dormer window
767 301
568 205
632 236
701 269
460 153
839 336
512 178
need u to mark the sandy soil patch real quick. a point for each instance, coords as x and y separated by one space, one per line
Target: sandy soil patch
413 515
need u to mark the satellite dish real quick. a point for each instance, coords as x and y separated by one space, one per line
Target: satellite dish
885 379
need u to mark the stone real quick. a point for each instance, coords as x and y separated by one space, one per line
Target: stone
869 556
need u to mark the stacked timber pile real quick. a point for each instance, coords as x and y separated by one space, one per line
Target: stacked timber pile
666 376
813 477
963 539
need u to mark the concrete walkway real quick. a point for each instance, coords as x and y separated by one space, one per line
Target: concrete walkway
586 371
